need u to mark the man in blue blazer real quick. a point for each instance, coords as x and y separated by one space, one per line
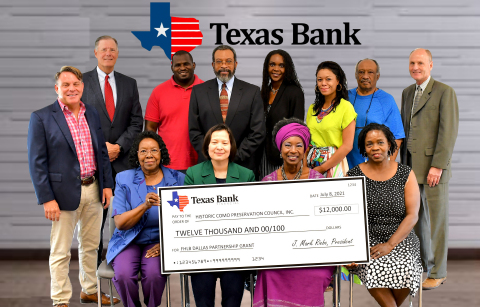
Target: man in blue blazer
71 174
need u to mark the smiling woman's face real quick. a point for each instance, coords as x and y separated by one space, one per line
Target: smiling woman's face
219 147
293 150
149 155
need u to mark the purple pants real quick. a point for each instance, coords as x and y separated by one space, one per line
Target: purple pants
127 264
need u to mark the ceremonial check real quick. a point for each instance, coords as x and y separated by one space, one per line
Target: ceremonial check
260 225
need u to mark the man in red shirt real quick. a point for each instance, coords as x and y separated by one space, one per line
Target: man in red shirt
167 111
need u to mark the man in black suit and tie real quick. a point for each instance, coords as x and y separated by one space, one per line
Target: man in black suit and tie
228 100
115 96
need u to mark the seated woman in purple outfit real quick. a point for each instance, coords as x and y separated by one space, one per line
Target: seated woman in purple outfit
134 246
302 286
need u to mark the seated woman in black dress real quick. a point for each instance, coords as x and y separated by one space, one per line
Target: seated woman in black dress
393 201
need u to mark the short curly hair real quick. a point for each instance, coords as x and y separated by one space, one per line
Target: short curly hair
380 127
133 155
283 122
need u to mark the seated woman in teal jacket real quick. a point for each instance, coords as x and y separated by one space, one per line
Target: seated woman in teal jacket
219 148
134 246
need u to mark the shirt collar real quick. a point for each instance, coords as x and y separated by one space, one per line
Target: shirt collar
229 84
102 74
424 84
64 107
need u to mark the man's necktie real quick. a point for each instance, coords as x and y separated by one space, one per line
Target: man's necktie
109 103
224 101
414 108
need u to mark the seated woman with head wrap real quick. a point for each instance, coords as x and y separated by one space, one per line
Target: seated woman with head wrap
302 286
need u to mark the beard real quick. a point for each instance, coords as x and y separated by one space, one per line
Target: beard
224 79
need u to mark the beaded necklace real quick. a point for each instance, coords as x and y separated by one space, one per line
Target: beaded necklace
323 113
297 176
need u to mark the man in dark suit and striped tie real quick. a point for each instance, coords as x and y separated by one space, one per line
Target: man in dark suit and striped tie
226 99
115 96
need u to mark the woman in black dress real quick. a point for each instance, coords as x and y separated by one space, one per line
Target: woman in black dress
282 97
393 201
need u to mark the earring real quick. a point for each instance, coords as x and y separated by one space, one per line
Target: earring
138 163
280 155
389 153
338 90
365 156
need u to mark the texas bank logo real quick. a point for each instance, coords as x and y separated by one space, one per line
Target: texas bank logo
178 201
170 33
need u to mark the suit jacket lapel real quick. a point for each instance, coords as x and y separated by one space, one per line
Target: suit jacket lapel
140 186
234 101
232 173
93 133
119 87
281 90
214 99
208 176
425 96
95 87
62 123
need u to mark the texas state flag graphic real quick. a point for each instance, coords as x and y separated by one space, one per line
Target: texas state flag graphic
178 201
169 33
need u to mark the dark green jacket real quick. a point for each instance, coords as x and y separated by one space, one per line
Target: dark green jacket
202 173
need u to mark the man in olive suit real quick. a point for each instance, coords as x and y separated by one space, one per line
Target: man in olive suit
430 119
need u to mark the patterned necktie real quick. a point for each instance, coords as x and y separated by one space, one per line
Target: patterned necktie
109 103
224 101
414 108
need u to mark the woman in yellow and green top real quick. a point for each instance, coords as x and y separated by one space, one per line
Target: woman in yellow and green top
331 120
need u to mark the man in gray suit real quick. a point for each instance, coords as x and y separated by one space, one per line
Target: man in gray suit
430 119
115 96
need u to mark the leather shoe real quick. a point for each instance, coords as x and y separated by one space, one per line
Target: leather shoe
92 298
432 283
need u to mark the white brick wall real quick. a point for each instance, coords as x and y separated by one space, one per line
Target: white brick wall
38 37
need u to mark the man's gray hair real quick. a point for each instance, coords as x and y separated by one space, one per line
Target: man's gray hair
358 63
105 37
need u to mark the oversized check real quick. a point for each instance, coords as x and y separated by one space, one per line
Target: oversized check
275 224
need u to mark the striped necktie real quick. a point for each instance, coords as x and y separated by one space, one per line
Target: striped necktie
414 108
224 101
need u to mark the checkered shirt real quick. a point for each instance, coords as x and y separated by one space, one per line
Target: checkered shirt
82 139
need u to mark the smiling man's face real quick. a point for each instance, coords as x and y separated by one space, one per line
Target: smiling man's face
69 89
106 53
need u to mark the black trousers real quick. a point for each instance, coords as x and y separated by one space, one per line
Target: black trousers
231 283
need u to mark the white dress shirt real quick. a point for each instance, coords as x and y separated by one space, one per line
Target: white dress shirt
111 80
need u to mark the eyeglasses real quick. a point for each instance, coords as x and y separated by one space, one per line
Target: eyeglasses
220 62
144 152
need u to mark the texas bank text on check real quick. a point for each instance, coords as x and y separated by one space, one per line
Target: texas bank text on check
261 225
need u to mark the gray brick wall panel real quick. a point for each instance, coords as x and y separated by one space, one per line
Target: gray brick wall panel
38 37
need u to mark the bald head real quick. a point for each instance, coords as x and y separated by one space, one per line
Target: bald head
420 65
